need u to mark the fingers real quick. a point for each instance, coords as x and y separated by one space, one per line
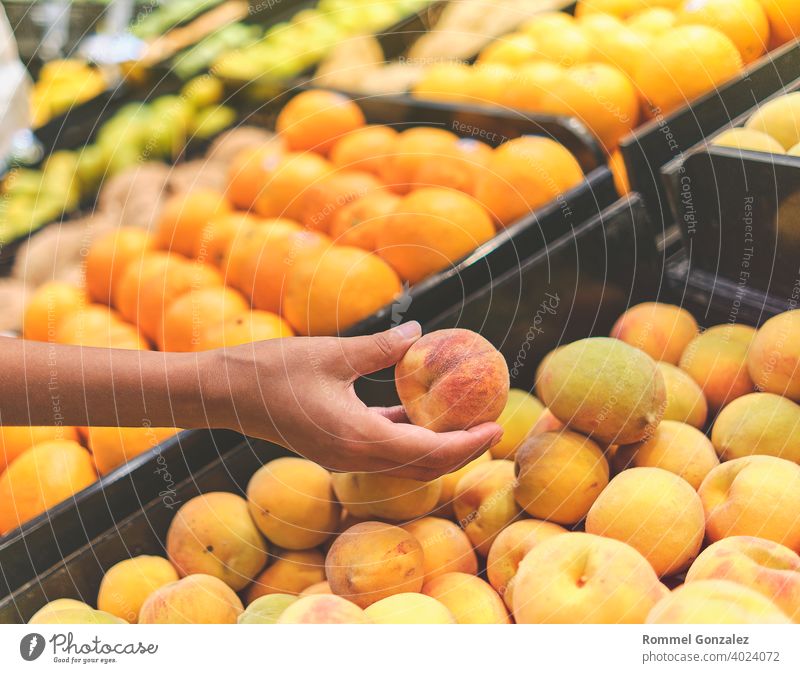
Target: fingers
394 414
368 354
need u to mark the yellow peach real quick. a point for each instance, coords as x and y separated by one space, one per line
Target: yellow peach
409 609
290 573
774 357
266 609
385 497
661 330
127 584
685 400
521 412
470 599
195 599
446 547
323 609
450 481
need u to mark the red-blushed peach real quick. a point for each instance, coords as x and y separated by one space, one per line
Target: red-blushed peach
293 504
470 599
677 447
559 476
381 496
537 377
452 379
768 567
373 560
754 495
733 332
685 400
127 584
323 609
510 547
450 481
661 330
579 578
604 388
409 609
195 599
521 412
774 357
318 588
213 534
446 547
289 573
716 602
655 512
266 609
758 424
547 422
484 502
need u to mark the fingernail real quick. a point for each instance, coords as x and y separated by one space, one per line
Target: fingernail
497 437
408 330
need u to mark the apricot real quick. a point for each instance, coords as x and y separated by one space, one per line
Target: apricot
484 502
685 400
655 512
469 599
127 584
579 578
520 414
323 609
293 504
716 602
758 424
450 481
604 388
768 567
676 447
754 495
446 547
266 609
452 379
195 599
409 609
661 330
290 573
510 547
559 476
374 560
773 360
213 534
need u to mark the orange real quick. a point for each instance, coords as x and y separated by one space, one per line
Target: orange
245 328
358 223
49 306
458 166
315 120
620 8
546 21
616 163
567 45
492 84
108 257
213 244
248 172
16 439
599 95
112 447
621 47
90 326
784 20
328 293
190 315
291 176
525 174
653 21
448 82
40 478
125 336
533 80
184 216
364 149
430 229
321 201
743 21
511 49
125 295
685 63
413 148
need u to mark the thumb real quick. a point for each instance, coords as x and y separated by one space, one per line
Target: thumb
367 354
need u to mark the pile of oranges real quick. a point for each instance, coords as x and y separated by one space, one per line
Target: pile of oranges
617 62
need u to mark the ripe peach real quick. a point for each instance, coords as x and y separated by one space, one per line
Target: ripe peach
685 400
323 609
768 567
446 547
373 560
57 605
290 573
754 495
195 599
375 495
655 512
409 609
559 476
774 357
450 481
470 599
266 609
547 422
484 502
578 578
676 447
510 547
451 380
127 584
318 588
716 602
520 414
76 615
661 330
293 504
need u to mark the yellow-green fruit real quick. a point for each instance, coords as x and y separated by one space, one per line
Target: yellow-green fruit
55 606
774 356
748 139
409 609
77 616
685 400
266 610
521 412
559 476
604 388
779 118
758 424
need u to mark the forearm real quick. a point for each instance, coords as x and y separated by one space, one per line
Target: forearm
47 384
